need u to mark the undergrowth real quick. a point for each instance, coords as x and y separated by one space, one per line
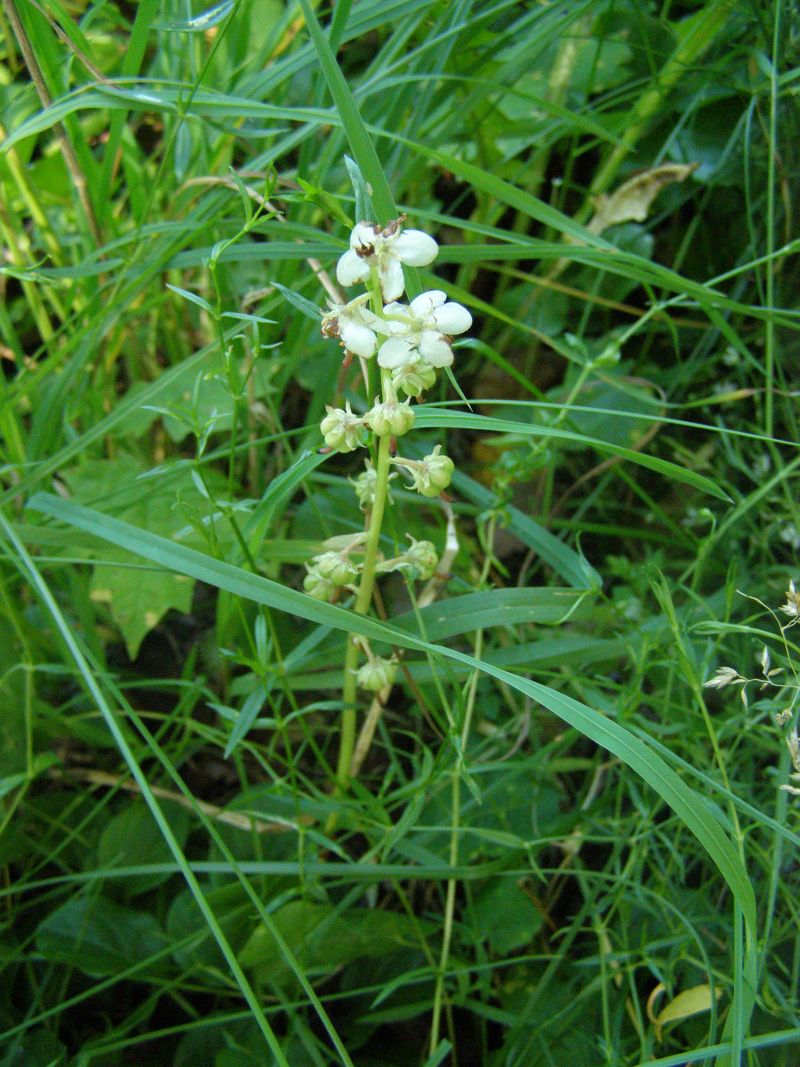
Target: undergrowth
553 825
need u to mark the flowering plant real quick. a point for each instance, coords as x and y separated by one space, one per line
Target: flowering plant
409 343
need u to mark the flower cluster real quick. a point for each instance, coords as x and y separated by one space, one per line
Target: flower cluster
409 343
413 340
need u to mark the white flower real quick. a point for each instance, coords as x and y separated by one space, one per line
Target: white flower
385 250
422 330
354 325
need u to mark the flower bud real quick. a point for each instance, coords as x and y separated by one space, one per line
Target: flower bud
390 419
377 674
341 429
433 473
318 587
421 560
414 378
365 484
334 567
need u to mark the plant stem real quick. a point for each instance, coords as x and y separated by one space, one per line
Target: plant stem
347 737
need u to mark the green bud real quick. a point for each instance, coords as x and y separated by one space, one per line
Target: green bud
414 378
390 419
341 429
335 568
433 474
318 587
377 674
421 559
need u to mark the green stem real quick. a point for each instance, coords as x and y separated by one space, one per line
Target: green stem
347 737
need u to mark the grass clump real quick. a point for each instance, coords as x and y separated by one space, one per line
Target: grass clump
557 821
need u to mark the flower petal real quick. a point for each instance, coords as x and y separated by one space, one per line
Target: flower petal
363 235
392 281
434 349
395 352
358 339
426 303
351 268
415 248
452 318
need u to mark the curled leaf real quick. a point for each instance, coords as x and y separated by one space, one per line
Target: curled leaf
689 1002
631 202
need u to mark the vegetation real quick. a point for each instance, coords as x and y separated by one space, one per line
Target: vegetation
505 772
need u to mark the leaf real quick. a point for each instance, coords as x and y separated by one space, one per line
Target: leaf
505 915
137 597
305 307
132 834
99 937
193 298
436 418
689 1002
324 200
207 19
37 1049
364 154
632 200
323 939
497 607
566 563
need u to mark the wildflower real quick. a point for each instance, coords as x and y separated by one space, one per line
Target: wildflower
377 674
354 325
419 561
365 484
422 330
341 428
793 743
384 250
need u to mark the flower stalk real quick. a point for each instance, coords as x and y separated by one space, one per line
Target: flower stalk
409 343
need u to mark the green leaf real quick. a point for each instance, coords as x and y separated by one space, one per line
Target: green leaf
137 597
132 834
99 937
323 938
496 607
431 418
193 298
360 142
202 22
